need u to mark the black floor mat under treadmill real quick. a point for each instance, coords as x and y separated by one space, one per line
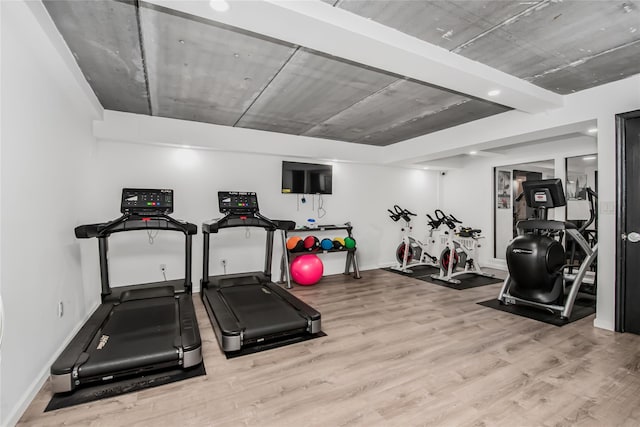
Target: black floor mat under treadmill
270 345
104 390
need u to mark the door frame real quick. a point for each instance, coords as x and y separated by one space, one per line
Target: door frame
621 226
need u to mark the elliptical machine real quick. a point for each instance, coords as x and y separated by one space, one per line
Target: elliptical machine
411 252
538 273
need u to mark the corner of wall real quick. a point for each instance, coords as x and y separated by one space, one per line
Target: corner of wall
31 392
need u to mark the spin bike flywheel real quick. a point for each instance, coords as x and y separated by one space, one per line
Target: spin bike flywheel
414 253
400 253
446 258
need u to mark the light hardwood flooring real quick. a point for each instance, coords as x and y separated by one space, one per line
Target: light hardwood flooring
398 352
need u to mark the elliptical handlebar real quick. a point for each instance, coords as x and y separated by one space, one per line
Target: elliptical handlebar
592 196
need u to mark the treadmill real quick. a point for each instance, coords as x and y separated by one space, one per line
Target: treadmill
137 329
248 310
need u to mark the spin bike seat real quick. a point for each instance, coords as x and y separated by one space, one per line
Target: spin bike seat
469 232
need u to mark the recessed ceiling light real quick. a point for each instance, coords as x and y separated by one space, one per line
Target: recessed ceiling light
473 152
589 158
494 92
219 5
426 167
592 130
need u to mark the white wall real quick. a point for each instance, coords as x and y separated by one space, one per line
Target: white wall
361 194
46 150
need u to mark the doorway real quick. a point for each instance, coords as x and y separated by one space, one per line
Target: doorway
628 222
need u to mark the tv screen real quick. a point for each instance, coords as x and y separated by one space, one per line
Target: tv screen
306 178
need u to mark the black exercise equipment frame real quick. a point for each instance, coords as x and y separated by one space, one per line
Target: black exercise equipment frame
137 222
232 334
180 345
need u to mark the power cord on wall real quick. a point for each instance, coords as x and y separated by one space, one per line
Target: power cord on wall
321 211
152 236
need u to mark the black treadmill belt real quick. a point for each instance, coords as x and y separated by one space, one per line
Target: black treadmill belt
261 312
139 333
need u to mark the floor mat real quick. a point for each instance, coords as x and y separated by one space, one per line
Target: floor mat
104 390
467 281
271 345
581 309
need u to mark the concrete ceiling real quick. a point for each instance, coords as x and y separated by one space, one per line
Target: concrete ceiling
563 46
149 59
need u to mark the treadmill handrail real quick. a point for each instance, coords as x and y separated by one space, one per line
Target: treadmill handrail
249 220
133 222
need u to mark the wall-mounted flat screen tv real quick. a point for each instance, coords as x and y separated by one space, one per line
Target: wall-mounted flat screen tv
306 178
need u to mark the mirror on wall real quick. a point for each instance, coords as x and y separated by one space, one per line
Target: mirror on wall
507 212
582 174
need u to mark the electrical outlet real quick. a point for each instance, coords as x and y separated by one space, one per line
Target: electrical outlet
163 267
60 309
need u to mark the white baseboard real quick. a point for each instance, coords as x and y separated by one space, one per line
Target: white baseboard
603 324
498 264
43 375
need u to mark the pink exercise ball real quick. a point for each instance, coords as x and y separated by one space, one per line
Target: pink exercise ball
306 270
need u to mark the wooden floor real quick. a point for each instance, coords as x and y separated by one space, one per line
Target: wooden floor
398 352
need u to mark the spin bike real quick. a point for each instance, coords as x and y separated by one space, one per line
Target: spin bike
411 252
462 244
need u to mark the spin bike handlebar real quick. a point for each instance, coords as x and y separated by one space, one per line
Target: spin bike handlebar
433 223
449 220
398 213
454 219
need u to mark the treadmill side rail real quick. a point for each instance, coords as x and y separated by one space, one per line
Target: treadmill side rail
312 315
189 332
64 365
225 325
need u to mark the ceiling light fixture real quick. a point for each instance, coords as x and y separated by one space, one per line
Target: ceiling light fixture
494 92
589 158
219 5
426 167
592 130
473 153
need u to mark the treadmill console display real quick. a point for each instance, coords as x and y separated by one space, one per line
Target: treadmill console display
235 202
146 201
